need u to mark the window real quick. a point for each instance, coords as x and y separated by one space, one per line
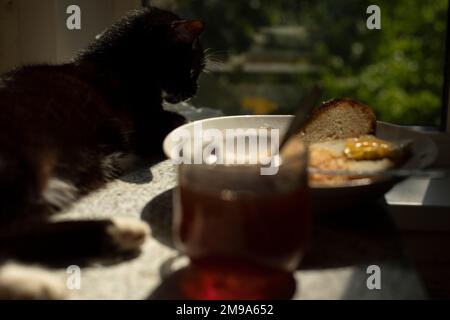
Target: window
272 50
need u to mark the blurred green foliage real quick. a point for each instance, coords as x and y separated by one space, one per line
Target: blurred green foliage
397 70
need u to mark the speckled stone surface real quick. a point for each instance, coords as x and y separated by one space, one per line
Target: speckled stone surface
133 279
328 272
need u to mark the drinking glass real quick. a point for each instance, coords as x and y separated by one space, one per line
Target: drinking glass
233 212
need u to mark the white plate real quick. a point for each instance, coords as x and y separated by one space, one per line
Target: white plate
424 153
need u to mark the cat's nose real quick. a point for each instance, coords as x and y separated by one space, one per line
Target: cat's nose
169 97
177 98
173 99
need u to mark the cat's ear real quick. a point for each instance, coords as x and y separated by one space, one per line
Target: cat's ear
187 30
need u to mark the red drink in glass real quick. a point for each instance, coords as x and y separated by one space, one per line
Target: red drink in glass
233 219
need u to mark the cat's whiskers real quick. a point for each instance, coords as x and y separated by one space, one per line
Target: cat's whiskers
212 60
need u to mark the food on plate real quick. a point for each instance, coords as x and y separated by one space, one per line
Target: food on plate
330 155
340 135
368 148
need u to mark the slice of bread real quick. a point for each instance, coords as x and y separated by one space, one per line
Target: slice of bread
339 119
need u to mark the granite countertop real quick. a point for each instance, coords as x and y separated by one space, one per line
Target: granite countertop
335 268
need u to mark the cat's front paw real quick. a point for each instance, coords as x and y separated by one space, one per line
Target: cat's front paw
128 234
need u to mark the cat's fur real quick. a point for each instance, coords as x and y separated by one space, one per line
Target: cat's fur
66 130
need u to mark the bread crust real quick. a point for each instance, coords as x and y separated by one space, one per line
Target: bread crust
349 102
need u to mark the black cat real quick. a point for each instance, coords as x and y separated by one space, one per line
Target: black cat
66 130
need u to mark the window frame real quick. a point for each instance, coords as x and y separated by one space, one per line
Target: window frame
445 114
